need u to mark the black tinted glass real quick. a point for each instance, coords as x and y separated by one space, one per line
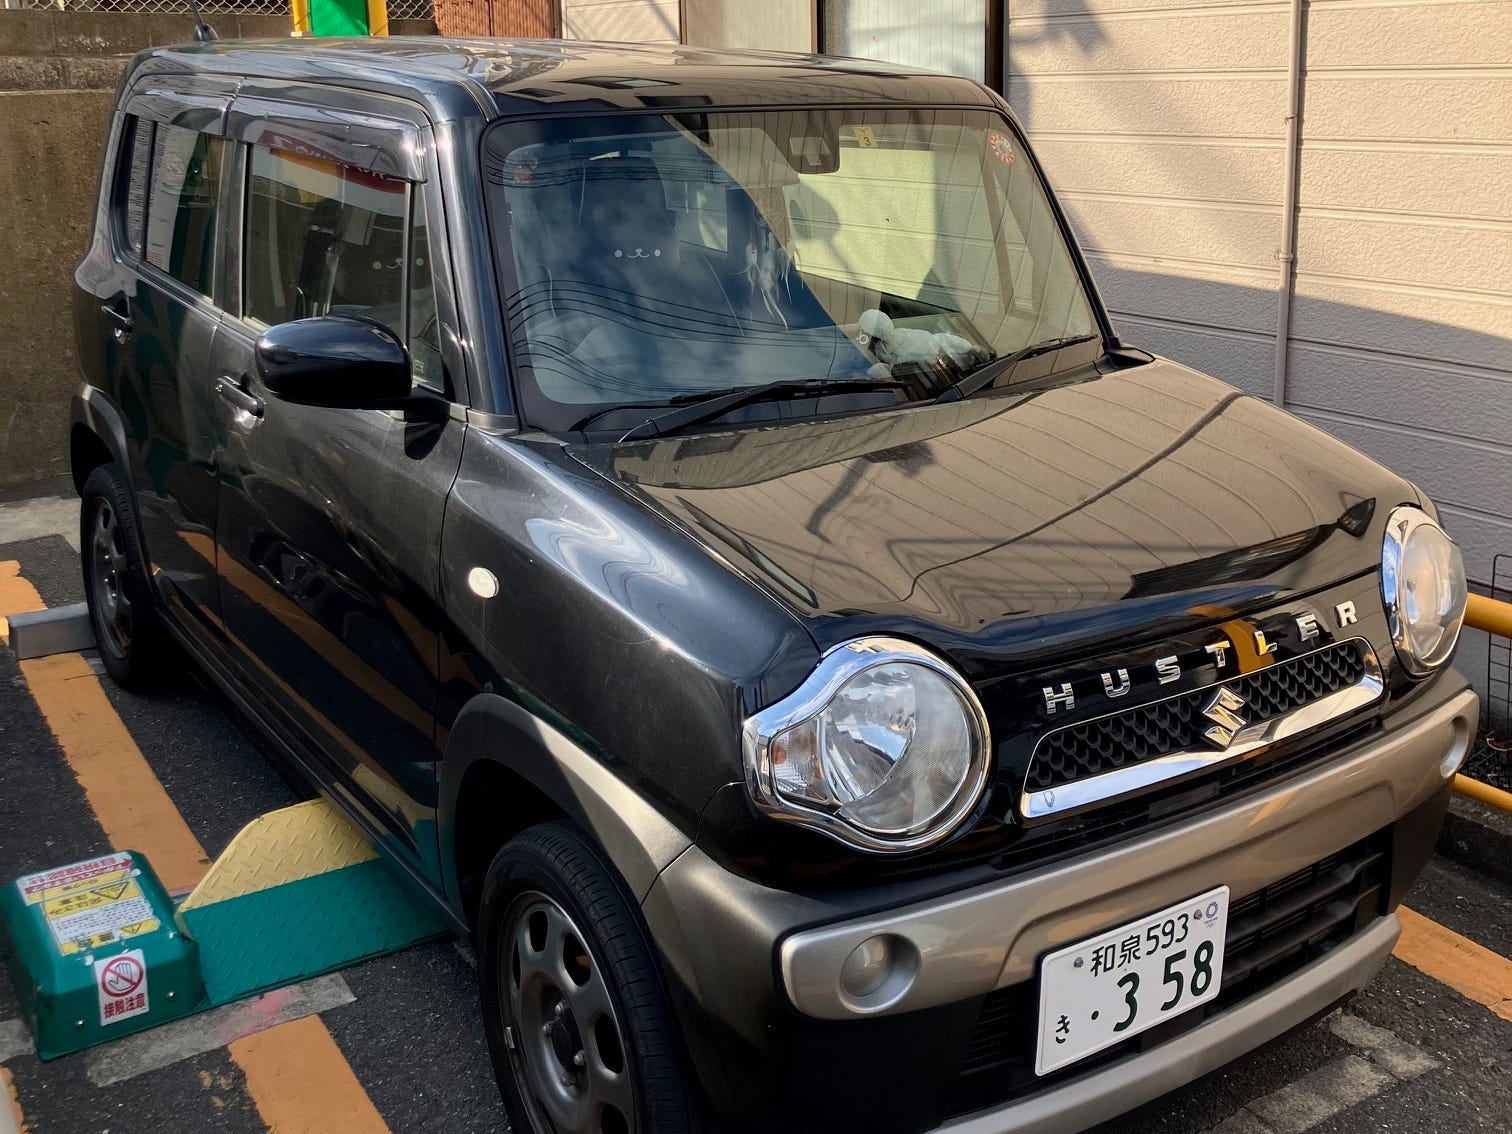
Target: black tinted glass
180 234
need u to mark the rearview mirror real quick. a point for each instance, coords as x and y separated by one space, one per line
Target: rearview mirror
341 361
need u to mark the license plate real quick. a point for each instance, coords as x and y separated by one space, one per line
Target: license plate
1107 988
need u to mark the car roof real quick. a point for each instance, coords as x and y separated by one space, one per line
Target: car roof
508 77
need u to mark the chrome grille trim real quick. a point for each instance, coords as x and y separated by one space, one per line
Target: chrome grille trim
1106 787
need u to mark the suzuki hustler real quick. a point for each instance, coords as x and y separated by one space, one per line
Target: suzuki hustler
693 510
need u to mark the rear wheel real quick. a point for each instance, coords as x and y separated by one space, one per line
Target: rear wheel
577 1022
133 645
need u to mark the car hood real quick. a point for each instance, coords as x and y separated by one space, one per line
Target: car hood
1018 525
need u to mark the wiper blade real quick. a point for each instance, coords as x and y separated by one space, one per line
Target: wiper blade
707 406
984 374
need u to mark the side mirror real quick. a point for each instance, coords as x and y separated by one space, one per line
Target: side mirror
342 361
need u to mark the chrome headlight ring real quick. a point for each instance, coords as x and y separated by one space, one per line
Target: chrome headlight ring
817 803
1423 589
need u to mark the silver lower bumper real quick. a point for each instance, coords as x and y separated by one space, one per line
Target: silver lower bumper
971 942
1093 1098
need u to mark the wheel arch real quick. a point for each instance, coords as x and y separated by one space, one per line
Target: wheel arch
96 436
505 769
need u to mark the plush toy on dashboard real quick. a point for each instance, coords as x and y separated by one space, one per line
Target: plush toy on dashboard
894 345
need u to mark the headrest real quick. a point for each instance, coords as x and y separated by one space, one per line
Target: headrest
624 209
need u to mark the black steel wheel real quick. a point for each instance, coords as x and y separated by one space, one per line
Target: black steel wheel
132 644
577 1022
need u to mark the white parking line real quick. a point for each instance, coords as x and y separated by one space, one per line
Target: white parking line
1382 1059
41 516
213 1030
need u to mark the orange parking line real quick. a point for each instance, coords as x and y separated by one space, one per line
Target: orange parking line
301 1082
120 786
1470 969
18 1119
17 596
296 1075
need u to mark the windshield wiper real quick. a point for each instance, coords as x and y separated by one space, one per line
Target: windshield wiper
984 374
714 403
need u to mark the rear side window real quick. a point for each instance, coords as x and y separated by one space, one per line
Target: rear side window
135 171
186 176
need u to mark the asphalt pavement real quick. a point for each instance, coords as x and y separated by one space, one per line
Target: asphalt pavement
396 1043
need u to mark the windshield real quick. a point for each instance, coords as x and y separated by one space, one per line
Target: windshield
652 259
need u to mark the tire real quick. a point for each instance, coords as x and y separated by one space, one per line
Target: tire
571 991
133 645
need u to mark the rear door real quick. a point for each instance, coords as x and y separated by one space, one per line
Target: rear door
329 524
160 324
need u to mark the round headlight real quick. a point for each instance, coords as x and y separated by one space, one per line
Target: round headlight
884 747
1423 586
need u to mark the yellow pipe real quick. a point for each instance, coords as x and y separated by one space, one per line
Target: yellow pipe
1484 793
300 10
1489 615
377 13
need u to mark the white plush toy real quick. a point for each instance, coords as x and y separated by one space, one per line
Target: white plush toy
894 345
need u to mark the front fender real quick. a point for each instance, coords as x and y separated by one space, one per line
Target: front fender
637 840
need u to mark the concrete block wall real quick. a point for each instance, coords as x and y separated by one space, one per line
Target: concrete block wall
58 74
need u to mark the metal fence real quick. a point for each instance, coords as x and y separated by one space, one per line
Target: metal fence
397 9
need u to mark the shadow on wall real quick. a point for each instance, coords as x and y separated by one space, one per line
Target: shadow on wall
1407 358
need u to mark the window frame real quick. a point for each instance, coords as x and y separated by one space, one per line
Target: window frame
187 105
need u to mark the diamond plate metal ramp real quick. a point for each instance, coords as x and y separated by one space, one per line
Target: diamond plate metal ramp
299 892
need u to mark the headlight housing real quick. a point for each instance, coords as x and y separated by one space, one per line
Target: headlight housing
884 748
1423 586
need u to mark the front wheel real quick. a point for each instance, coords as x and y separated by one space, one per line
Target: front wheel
578 1026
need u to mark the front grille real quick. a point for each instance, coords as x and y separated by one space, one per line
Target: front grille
1145 732
1271 934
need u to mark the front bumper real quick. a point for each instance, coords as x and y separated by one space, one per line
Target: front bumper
777 1044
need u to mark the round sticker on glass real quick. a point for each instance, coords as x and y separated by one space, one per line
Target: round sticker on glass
1001 146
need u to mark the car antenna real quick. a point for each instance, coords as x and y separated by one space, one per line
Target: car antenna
203 32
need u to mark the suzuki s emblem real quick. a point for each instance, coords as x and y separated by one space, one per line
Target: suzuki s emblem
1225 710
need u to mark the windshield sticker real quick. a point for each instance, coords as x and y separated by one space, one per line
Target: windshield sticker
1001 147
866 137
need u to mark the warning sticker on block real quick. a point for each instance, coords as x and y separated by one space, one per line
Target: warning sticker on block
122 984
54 883
91 904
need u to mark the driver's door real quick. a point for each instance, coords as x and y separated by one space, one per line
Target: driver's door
329 525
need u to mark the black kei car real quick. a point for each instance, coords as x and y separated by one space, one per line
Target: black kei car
693 510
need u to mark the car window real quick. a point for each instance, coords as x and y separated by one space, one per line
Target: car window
325 238
180 229
134 173
657 258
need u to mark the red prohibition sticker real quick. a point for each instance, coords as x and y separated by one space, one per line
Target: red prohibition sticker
121 982
1001 146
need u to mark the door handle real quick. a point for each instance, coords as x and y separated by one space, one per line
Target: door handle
123 323
231 391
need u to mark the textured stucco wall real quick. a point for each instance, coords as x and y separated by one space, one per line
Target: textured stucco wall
1162 125
58 73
